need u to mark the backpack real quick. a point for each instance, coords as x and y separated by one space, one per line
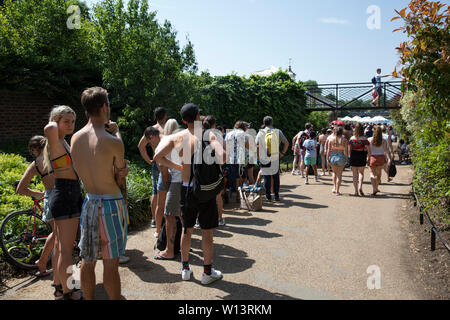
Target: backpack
208 178
374 81
271 139
162 239
301 140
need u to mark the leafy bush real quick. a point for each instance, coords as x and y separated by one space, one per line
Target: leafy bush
425 114
12 167
139 191
232 98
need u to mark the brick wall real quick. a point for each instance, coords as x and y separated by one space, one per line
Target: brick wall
24 114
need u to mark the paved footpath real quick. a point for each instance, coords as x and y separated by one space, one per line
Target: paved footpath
312 245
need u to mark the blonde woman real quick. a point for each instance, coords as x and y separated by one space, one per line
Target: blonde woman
379 152
66 201
337 156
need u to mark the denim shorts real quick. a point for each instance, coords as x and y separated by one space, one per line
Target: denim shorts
337 159
66 199
47 215
155 177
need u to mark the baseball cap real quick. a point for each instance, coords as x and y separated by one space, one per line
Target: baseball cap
189 112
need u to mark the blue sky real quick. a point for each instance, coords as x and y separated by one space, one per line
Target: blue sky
327 40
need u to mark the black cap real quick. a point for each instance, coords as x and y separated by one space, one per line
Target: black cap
189 112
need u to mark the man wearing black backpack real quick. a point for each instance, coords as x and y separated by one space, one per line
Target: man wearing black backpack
201 155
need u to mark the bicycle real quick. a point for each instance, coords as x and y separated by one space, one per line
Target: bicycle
23 235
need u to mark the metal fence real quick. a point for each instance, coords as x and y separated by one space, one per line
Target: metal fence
352 96
434 231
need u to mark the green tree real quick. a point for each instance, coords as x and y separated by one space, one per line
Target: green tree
425 105
38 51
142 62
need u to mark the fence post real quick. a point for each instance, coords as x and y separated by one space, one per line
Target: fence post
433 240
421 215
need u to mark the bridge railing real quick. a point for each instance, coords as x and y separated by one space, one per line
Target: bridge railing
352 96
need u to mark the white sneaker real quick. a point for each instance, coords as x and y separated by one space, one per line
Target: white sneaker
221 222
299 172
123 259
186 274
214 276
293 172
307 180
197 223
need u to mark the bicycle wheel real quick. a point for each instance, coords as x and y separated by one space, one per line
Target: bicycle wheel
22 238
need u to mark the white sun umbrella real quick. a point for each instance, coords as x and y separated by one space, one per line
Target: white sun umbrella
366 119
347 118
356 119
379 119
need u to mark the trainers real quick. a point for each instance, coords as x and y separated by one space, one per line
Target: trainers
267 199
186 274
293 172
299 172
123 259
214 276
221 222
153 224
197 224
307 180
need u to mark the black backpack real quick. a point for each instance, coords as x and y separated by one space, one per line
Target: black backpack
374 80
162 239
303 137
208 178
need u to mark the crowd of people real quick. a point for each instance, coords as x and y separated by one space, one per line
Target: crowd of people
194 171
345 146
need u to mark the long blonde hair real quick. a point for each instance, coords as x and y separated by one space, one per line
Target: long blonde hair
377 139
55 115
171 127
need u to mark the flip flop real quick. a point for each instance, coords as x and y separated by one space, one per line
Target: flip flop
158 257
42 274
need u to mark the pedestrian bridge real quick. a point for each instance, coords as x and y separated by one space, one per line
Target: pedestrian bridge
352 96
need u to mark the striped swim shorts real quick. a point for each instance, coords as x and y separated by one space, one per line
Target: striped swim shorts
104 226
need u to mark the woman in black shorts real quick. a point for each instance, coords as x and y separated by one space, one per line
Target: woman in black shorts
357 148
65 203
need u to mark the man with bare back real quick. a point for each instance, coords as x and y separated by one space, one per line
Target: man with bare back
98 154
191 206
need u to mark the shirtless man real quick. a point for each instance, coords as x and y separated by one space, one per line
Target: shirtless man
157 203
98 154
190 207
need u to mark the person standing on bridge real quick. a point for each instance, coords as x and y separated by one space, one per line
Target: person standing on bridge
377 86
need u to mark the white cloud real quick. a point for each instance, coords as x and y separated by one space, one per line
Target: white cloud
334 21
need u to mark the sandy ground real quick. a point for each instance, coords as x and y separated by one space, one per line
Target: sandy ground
312 245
